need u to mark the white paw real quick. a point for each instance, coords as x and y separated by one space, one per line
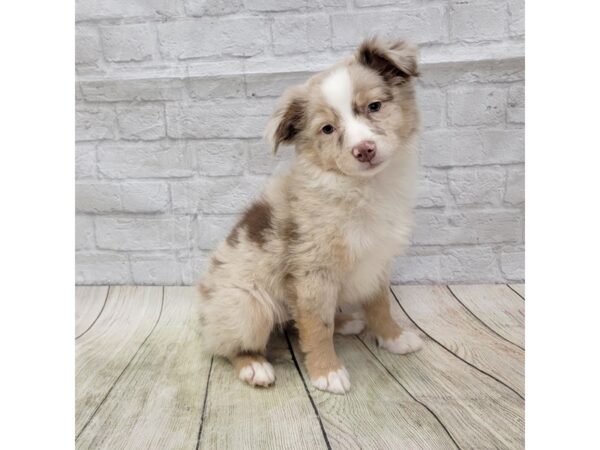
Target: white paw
354 326
407 342
337 382
258 374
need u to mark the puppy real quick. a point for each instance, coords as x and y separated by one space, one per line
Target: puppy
323 234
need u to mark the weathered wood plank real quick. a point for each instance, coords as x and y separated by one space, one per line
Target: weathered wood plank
106 349
240 416
377 412
89 301
519 288
436 311
496 305
157 403
478 411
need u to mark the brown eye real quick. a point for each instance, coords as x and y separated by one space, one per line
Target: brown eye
374 106
328 129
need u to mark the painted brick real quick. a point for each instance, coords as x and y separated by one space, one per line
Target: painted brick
262 161
193 264
201 8
87 45
95 122
214 229
119 9
470 147
301 34
215 195
516 104
137 197
425 25
145 160
416 269
134 42
227 120
515 186
156 269
467 227
142 233
516 17
216 87
485 71
145 197
196 38
475 21
477 186
476 106
139 121
97 197
369 3
432 106
102 268
432 189
273 84
85 160
133 90
470 265
84 232
218 158
275 5
512 263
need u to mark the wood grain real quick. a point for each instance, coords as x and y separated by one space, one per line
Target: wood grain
520 288
478 411
157 403
497 306
106 349
441 316
363 417
240 416
142 381
89 301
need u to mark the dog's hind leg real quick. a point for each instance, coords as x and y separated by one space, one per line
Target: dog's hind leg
349 323
253 368
237 324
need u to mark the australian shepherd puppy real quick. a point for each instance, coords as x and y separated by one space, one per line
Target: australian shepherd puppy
323 235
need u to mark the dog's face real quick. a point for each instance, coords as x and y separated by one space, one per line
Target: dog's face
353 117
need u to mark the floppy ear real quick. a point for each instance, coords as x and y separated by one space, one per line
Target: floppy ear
396 61
288 119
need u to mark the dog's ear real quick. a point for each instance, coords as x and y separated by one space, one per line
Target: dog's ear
288 119
396 61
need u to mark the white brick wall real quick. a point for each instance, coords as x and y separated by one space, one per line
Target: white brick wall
173 96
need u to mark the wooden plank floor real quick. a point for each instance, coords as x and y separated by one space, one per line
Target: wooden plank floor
142 381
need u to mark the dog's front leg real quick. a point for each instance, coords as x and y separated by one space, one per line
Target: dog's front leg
389 334
315 316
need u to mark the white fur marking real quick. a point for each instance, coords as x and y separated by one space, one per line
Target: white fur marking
258 374
337 382
353 326
337 90
407 342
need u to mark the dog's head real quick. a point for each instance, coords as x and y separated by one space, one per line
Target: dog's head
355 116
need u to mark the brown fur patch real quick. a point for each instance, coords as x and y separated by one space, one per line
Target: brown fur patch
394 61
290 231
379 317
256 220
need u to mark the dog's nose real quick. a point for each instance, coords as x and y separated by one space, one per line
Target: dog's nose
365 151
